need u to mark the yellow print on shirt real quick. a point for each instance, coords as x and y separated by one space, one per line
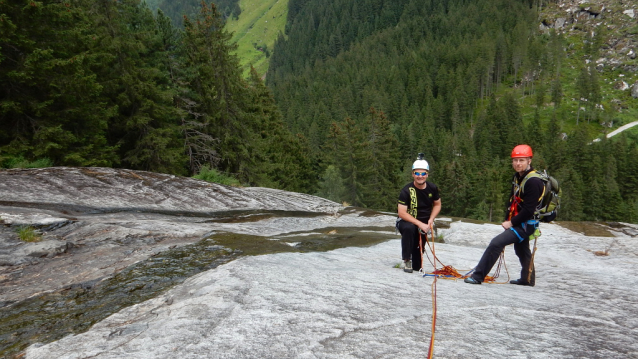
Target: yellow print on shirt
413 203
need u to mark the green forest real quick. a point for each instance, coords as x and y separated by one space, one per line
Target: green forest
110 83
372 83
355 89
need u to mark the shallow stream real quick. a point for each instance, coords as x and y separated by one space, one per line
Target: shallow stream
51 316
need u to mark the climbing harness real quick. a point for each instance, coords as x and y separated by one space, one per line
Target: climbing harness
534 235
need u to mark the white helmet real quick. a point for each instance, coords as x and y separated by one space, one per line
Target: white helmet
420 163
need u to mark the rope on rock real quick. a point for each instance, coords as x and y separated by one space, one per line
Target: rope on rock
449 272
423 236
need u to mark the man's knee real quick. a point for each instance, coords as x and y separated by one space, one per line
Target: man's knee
407 228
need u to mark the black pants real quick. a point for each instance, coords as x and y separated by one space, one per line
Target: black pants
410 248
493 251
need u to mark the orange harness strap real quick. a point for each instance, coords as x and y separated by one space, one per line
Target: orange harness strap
514 207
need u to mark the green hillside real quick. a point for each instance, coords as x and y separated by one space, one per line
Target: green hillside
255 31
177 9
598 35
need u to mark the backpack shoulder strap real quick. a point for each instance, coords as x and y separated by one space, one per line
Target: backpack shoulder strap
532 174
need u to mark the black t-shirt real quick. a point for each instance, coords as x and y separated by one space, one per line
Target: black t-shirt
419 201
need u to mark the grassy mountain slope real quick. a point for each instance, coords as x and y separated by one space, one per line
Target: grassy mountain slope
615 60
256 30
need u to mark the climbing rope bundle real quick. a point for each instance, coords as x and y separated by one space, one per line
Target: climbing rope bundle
449 272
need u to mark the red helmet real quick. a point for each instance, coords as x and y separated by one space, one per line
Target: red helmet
522 151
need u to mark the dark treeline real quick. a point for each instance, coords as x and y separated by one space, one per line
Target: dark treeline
366 85
108 83
176 9
371 83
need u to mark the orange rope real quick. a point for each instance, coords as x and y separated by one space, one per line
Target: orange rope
431 349
449 272
497 272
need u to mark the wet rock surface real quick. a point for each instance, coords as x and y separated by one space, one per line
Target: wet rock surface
351 303
104 190
111 238
124 276
96 221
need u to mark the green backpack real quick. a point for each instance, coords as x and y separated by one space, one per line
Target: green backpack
550 200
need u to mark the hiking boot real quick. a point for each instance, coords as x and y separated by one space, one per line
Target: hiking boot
521 282
407 266
471 280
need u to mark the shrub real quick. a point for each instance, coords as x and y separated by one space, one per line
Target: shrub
212 175
21 162
28 234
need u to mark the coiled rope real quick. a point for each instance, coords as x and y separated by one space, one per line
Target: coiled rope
449 272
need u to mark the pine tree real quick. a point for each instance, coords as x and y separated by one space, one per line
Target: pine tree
331 185
583 86
284 159
218 92
512 126
533 133
348 151
50 101
557 92
572 202
553 147
146 127
382 146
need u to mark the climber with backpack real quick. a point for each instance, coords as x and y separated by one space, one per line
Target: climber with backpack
532 199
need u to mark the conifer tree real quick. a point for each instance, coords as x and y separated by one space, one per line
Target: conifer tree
382 147
219 92
348 151
572 202
50 98
553 146
453 182
583 85
557 92
533 134
331 185
147 124
284 159
512 124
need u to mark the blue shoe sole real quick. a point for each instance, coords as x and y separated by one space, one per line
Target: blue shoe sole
471 281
